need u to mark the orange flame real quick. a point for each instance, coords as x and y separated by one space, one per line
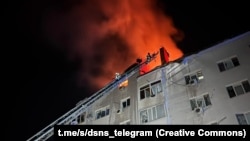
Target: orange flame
144 27
108 36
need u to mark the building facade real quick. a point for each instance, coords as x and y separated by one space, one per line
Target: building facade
209 87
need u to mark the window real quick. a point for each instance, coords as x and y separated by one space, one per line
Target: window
102 112
144 92
152 113
200 101
125 103
243 118
123 85
194 78
228 64
156 87
238 88
150 90
81 118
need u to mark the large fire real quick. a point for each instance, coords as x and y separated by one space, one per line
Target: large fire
108 36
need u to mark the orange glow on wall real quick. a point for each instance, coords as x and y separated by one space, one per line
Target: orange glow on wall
123 84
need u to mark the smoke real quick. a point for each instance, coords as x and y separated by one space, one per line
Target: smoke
108 36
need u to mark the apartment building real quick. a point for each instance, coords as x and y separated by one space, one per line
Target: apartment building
209 87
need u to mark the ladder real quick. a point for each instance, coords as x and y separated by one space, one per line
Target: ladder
83 105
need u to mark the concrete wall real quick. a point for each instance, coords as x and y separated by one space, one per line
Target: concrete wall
176 94
214 83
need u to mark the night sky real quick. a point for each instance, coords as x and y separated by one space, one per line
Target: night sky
43 78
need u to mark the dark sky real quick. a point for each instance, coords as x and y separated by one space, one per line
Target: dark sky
42 79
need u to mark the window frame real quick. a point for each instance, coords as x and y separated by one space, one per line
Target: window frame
152 114
148 90
157 85
205 103
102 112
126 100
81 118
143 92
223 65
245 118
193 77
233 92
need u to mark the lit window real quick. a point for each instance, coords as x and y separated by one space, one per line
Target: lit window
200 75
238 88
123 85
244 118
152 113
228 64
200 101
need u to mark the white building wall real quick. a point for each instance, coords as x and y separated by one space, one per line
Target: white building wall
214 83
113 99
150 101
176 94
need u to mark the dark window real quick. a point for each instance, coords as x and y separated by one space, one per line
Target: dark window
193 104
107 111
187 79
124 104
239 89
241 119
231 92
207 100
78 119
103 114
246 86
98 115
128 102
235 61
221 67
82 117
142 94
228 64
193 79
